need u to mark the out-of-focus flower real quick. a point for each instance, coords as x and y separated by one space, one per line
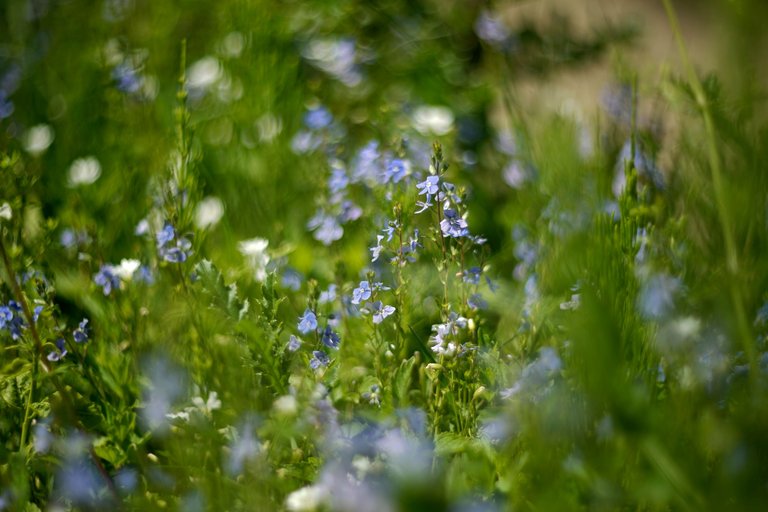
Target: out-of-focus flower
209 212
37 139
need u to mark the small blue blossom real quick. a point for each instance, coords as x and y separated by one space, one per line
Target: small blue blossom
11 319
317 118
294 343
429 186
307 322
328 296
396 171
60 352
326 228
453 225
36 313
472 275
476 301
362 292
366 165
349 212
6 315
144 275
330 338
291 279
376 249
165 235
126 79
319 358
106 278
81 333
379 311
338 180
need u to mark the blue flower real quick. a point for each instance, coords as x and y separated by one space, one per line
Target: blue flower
330 338
453 225
326 227
328 295
338 180
472 275
294 343
317 118
106 278
172 254
362 292
6 315
165 235
396 171
307 322
476 301
379 311
60 352
291 279
81 333
319 359
11 318
376 249
126 79
36 313
429 186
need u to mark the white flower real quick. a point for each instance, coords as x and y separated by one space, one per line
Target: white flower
286 405
5 211
204 73
126 269
37 139
433 120
255 251
84 171
209 212
306 499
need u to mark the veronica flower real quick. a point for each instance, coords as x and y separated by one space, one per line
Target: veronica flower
307 322
425 205
472 275
106 278
294 343
396 171
330 338
379 311
317 118
376 249
60 352
429 186
328 295
362 292
476 301
81 333
319 358
453 225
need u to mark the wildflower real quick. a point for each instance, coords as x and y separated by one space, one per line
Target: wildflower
476 301
373 396
376 249
425 205
11 319
81 333
209 212
366 166
326 227
291 279
6 315
319 358
338 180
472 275
396 171
349 212
362 292
294 343
255 251
126 269
60 352
84 171
36 313
106 278
330 338
307 322
379 311
453 225
429 186
657 295
306 499
317 118
328 296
